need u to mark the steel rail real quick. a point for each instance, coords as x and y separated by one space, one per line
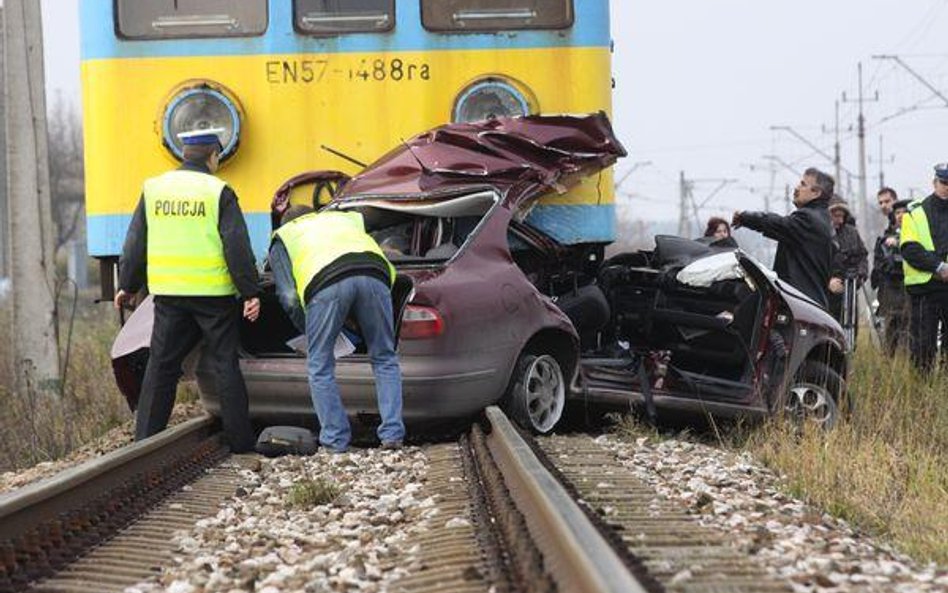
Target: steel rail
574 551
50 522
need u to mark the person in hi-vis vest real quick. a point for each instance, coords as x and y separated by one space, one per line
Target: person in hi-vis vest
188 244
328 265
923 242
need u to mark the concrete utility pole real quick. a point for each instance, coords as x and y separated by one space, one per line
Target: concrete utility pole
4 209
36 360
862 211
882 160
837 160
684 191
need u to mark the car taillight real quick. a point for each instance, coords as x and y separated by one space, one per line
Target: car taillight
421 322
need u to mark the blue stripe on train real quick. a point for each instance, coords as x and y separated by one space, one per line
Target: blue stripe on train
99 41
566 224
106 233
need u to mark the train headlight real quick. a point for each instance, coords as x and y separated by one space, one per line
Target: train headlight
201 108
491 97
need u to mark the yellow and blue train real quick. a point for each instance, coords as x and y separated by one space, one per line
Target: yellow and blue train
287 77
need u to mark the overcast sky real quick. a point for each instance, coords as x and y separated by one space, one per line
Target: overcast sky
700 83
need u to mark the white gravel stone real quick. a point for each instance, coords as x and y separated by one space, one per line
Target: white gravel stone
258 541
456 522
733 493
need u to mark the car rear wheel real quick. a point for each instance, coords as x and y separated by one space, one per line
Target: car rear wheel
537 393
813 395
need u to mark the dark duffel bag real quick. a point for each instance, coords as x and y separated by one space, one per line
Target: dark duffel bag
285 440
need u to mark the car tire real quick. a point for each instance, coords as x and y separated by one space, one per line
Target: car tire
813 395
537 393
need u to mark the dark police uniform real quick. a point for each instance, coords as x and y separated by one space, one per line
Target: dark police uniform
189 243
924 246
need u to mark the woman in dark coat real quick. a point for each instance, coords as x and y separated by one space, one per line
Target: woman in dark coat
718 233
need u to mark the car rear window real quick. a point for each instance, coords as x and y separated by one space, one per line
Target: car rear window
329 17
169 19
496 15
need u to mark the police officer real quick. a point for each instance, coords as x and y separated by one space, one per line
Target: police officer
924 246
188 243
326 263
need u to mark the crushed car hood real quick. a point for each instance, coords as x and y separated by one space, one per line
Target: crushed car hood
520 157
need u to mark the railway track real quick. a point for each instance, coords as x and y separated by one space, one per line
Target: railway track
552 514
104 525
562 514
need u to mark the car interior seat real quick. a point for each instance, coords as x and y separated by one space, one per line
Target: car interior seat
588 309
707 330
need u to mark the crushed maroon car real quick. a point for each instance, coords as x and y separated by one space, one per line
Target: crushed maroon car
492 309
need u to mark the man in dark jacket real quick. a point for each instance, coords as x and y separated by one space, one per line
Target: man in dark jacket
188 243
889 280
804 237
924 245
850 261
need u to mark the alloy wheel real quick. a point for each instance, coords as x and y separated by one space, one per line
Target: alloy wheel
812 402
545 392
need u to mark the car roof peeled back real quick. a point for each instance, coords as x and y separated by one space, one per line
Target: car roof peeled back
522 158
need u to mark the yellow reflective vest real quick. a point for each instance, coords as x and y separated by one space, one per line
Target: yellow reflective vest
314 241
185 254
915 229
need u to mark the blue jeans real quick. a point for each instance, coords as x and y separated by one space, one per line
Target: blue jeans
369 300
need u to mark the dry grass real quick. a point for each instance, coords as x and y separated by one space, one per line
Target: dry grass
885 469
37 428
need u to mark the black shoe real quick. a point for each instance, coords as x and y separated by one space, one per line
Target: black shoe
392 445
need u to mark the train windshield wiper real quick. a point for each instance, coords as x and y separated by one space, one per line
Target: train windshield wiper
486 14
378 20
198 20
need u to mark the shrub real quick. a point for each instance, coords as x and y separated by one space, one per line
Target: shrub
39 428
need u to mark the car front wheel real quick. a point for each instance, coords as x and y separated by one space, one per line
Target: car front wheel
537 393
812 397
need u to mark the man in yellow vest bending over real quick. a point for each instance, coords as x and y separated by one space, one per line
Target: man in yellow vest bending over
328 265
924 246
188 243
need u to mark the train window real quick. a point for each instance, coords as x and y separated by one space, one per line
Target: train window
166 19
329 17
494 15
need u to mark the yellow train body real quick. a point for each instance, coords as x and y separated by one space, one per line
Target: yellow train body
361 103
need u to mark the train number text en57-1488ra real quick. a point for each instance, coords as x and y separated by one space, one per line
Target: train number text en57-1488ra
366 70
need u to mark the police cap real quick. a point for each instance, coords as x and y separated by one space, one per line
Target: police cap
941 171
205 136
